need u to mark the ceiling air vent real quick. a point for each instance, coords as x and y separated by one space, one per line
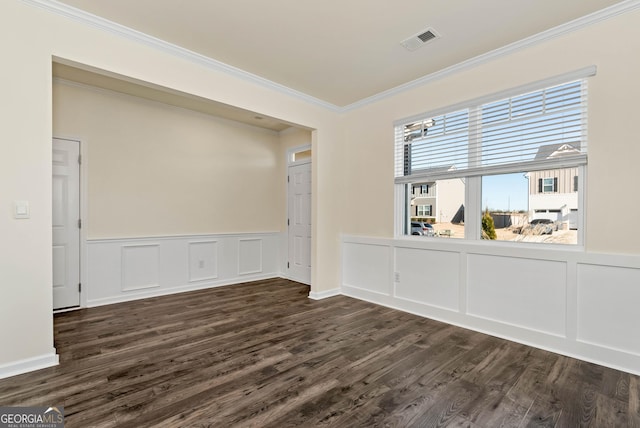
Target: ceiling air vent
420 39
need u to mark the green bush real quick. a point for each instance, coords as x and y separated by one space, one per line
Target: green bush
488 228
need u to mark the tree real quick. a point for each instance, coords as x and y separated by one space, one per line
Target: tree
488 227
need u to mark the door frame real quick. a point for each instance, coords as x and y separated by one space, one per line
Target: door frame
292 162
84 209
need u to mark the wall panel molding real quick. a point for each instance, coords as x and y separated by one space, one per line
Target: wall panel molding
249 256
140 266
565 300
124 269
203 260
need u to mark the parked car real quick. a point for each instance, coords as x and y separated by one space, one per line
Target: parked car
541 226
420 228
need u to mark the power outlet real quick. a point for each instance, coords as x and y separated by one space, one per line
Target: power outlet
201 264
396 276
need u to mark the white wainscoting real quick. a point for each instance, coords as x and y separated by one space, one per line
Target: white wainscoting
565 300
120 270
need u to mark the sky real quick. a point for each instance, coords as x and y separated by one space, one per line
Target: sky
505 192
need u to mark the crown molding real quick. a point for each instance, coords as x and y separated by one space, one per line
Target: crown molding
120 30
571 26
73 13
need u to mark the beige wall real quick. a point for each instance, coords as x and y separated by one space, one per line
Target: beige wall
31 37
155 169
612 46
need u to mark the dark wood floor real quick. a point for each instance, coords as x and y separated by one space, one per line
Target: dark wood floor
262 354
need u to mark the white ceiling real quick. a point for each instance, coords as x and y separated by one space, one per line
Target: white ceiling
340 51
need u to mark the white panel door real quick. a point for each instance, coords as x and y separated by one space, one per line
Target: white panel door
66 228
299 200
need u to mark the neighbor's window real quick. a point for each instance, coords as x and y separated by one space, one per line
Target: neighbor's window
524 153
547 185
424 210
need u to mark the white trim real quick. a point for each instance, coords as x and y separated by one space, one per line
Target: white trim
582 204
254 271
284 275
78 15
124 266
560 30
319 295
171 271
29 364
171 237
619 360
171 49
298 149
571 333
177 290
190 248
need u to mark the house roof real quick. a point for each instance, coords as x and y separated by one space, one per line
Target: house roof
556 150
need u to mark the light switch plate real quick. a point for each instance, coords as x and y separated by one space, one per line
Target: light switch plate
21 209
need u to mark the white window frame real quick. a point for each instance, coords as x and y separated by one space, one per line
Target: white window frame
473 183
423 214
545 185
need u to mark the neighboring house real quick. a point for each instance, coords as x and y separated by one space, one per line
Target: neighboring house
553 194
437 201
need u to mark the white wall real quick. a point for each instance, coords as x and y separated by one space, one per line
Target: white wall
31 37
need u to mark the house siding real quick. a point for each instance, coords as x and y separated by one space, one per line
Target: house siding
564 176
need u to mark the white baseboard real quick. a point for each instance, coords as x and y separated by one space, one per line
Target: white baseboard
284 275
30 364
176 290
324 294
563 300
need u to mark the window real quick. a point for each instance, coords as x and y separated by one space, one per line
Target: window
518 207
424 188
547 185
424 211
499 155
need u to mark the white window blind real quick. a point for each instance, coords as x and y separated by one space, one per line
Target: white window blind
534 130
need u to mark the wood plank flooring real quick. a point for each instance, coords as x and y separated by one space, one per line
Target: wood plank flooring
262 354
